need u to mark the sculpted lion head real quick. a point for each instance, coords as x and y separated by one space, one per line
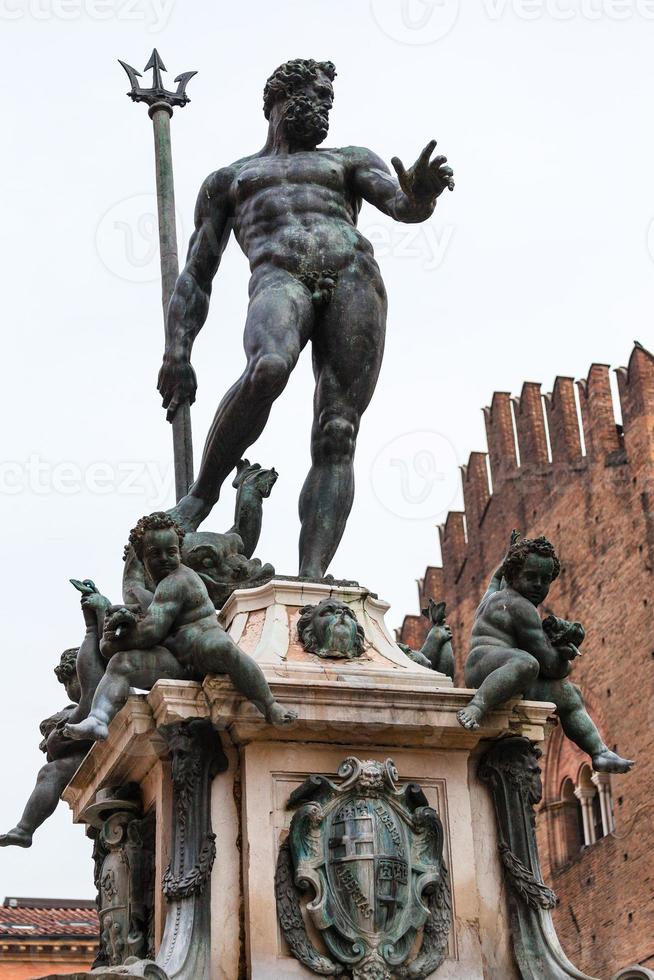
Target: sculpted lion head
330 629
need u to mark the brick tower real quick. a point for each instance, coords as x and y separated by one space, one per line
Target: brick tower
589 487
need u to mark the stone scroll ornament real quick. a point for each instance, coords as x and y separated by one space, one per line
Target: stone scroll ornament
370 855
124 867
196 758
123 857
512 770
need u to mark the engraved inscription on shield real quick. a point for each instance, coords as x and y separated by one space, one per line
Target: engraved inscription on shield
368 864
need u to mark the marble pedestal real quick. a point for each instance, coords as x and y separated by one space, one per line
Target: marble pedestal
378 706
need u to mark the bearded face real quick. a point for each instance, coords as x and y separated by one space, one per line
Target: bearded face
330 629
306 122
305 113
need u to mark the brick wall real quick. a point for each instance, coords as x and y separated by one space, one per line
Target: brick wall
597 508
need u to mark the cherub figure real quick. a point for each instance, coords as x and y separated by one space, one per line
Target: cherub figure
514 653
64 758
176 637
436 652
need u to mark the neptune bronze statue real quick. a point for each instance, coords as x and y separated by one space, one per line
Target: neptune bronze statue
293 209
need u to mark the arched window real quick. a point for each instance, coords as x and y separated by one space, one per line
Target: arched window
594 794
571 821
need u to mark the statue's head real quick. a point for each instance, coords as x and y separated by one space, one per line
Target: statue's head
300 94
66 673
330 629
157 541
530 567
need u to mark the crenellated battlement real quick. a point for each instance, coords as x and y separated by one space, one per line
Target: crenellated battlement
500 436
539 444
530 425
563 422
541 447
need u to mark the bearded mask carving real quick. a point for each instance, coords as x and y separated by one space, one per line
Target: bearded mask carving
331 630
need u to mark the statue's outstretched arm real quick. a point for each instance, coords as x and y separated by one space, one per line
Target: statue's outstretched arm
189 304
412 196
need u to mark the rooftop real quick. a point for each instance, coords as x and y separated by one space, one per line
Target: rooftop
48 917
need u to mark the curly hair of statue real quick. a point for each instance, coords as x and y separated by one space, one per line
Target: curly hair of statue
285 79
520 551
159 521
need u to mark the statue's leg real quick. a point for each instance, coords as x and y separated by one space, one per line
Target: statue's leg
498 674
216 653
50 783
577 723
279 323
348 346
129 668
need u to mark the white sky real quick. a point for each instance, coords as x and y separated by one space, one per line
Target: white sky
538 264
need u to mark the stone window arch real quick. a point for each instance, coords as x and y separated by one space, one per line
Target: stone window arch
593 791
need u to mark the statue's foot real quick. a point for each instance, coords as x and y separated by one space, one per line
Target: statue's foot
190 512
91 728
470 716
278 715
16 838
608 761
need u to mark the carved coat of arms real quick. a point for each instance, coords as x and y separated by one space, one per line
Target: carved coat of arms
371 855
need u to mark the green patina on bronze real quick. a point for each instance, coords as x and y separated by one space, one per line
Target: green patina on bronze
370 855
171 632
293 208
513 653
331 630
436 652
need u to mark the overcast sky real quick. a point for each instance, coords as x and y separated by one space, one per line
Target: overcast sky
537 265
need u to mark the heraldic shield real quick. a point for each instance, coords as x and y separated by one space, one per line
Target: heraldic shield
370 856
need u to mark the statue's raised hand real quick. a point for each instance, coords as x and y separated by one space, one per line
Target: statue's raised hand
177 384
426 179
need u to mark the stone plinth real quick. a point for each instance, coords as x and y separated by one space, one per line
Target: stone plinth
381 705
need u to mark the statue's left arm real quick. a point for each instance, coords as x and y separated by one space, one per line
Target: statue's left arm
412 196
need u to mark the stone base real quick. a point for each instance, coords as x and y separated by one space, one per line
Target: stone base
379 706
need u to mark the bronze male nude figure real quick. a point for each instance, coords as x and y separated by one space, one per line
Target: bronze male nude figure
293 209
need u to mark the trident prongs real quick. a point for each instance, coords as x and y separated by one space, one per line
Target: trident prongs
157 93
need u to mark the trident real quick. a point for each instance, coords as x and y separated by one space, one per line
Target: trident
161 104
